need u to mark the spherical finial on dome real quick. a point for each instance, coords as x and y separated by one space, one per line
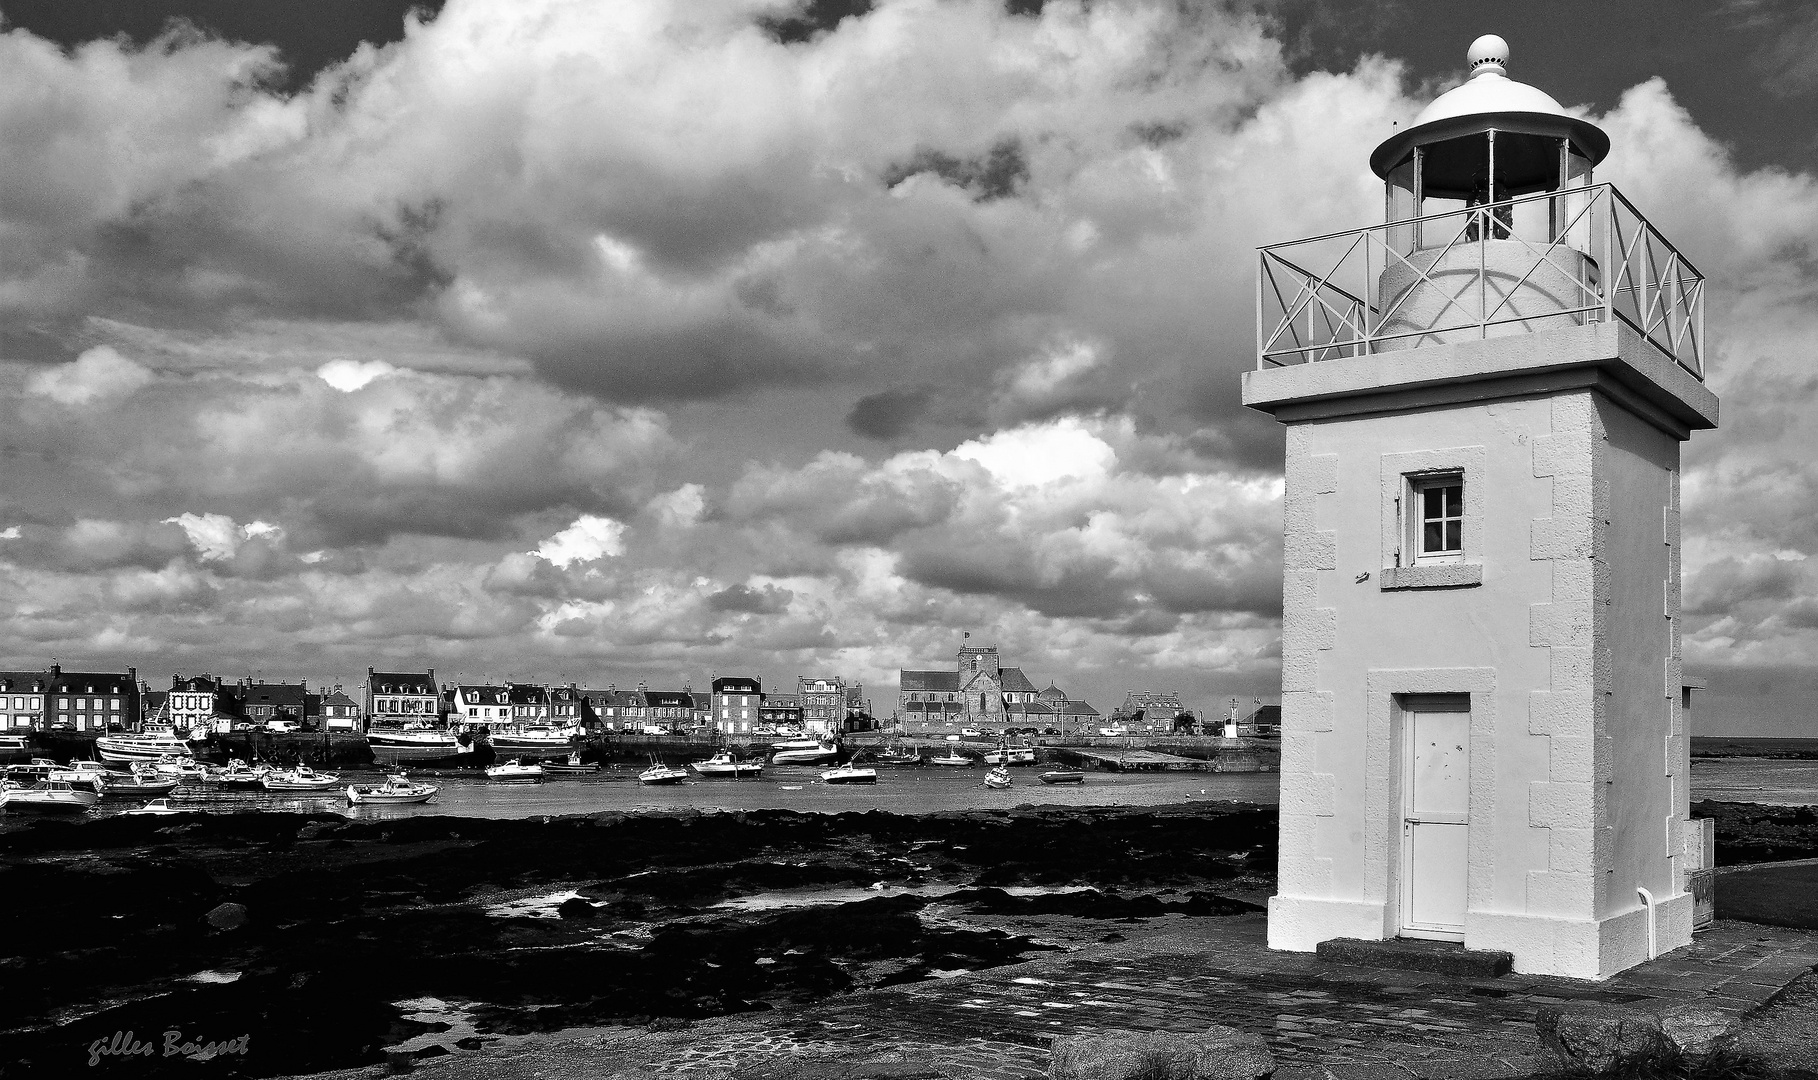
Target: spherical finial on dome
1488 53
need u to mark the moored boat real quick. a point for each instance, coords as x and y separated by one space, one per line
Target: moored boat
144 746
1063 776
183 768
90 774
998 777
724 764
301 778
850 774
143 780
819 754
236 775
14 746
1011 755
572 767
50 797
896 757
795 744
414 736
952 758
39 768
515 771
154 808
397 789
659 773
533 737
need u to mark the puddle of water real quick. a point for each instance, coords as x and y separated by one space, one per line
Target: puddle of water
217 978
796 898
429 1010
532 907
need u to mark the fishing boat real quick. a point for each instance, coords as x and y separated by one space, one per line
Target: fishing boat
724 764
953 758
515 771
1063 776
795 744
572 767
154 808
533 737
418 736
301 778
659 773
896 757
849 774
998 777
144 746
1011 755
397 789
50 797
819 754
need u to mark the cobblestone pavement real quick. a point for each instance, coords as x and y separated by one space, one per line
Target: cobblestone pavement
1322 1021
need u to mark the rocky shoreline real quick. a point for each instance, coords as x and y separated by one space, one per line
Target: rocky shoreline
305 943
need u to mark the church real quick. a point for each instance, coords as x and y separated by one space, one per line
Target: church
980 692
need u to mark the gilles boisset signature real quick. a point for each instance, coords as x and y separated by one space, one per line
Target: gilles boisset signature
124 1044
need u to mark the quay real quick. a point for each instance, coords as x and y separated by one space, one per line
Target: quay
1133 760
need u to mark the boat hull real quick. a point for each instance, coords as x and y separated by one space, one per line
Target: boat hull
1062 778
850 776
803 757
952 762
44 802
662 779
141 788
357 796
122 750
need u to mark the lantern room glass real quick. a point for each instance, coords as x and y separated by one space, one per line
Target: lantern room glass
1485 168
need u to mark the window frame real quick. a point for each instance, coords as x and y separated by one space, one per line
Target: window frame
1414 512
1405 478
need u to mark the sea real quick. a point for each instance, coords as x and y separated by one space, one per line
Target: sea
903 791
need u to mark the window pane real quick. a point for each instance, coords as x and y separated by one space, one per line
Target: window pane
1455 500
1431 499
1430 537
1454 537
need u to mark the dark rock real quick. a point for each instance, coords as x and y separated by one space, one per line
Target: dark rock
229 916
317 828
1218 1053
1599 1038
1411 954
575 907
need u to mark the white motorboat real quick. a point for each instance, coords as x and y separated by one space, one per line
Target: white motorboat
953 758
396 789
236 775
13 747
144 746
154 808
998 777
849 774
659 773
50 797
39 768
183 768
724 764
515 771
301 778
795 744
91 774
819 754
1008 755
143 780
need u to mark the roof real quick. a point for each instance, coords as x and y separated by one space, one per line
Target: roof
401 682
274 694
669 699
1073 708
1265 715
29 681
336 697
195 684
481 694
1053 693
929 680
1014 681
738 684
522 694
101 682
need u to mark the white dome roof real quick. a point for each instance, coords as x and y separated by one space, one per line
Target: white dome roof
1489 91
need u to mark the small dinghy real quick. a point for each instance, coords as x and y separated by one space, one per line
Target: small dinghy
849 774
998 777
397 789
1063 776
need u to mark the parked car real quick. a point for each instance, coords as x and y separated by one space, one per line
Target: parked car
282 726
1050 731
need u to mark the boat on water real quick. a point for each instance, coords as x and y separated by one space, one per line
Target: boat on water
144 746
397 789
1011 755
39 768
49 797
659 773
998 777
1063 776
237 775
301 778
572 767
81 773
154 808
515 771
896 757
417 736
849 774
953 758
183 768
15 746
724 764
818 754
143 780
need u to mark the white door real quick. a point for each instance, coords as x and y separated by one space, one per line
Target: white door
1436 803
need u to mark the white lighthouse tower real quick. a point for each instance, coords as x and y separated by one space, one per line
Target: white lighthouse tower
1483 728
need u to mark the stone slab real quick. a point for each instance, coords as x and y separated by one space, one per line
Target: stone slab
1410 954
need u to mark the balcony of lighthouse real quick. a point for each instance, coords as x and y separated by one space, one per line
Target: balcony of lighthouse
1517 266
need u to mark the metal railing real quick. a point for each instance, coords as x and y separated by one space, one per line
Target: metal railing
1575 256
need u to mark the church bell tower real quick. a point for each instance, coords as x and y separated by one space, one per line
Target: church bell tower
1484 737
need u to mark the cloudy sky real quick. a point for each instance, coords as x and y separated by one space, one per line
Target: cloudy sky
598 342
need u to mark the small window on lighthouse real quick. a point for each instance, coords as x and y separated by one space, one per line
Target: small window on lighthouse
1439 517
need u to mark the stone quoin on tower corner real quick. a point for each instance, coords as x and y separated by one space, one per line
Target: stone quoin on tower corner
1484 719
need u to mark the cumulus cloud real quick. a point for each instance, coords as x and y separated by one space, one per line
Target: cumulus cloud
216 536
349 375
100 374
589 538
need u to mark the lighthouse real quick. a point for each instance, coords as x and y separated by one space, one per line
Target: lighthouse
1484 717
